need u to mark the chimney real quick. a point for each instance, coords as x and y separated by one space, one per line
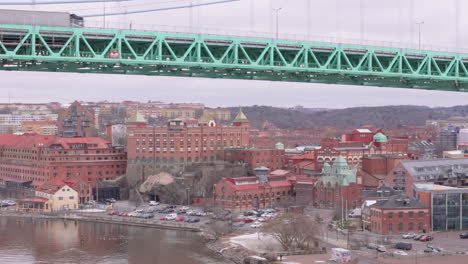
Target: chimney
261 173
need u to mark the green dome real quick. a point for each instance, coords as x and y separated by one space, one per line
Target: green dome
379 137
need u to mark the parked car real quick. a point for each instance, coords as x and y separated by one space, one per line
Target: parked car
248 220
417 237
110 200
147 215
372 246
113 213
236 220
400 253
171 217
256 224
381 248
404 245
180 219
192 220
464 235
426 238
409 235
429 250
153 203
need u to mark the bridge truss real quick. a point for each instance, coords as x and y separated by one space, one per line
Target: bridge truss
88 50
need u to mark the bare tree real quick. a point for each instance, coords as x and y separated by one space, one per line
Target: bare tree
294 231
218 229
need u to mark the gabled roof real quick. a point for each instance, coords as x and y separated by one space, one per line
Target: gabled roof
241 118
51 186
136 117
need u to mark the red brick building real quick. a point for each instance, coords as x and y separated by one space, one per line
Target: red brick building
375 168
261 191
39 158
180 142
337 186
399 214
270 158
76 121
354 151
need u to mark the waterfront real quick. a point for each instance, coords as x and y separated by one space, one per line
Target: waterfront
31 240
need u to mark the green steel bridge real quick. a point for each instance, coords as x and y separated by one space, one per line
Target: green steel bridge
89 50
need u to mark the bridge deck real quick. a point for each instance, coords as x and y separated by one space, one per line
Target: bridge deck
87 50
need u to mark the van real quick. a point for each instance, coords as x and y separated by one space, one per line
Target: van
404 246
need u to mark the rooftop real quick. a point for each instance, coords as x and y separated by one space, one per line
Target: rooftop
399 201
437 187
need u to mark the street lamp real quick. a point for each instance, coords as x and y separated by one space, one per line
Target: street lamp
277 16
419 33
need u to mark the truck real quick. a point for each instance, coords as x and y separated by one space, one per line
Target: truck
40 18
340 255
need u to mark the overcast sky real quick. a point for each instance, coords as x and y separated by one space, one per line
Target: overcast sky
367 21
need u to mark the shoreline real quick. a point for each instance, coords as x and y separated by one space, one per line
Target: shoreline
112 220
221 247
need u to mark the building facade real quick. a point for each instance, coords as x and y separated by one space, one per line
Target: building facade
77 121
448 172
337 186
183 142
39 158
261 191
270 158
40 127
399 214
449 205
52 196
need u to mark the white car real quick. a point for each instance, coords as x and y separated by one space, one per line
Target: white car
153 203
256 225
381 248
400 253
170 217
409 235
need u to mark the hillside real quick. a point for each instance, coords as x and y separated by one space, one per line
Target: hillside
382 116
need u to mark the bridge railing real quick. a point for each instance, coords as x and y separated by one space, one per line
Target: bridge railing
272 35
256 34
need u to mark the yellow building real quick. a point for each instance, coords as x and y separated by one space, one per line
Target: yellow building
50 197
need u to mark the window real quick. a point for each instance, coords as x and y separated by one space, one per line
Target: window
411 214
400 227
410 227
390 215
71 197
400 215
60 198
390 228
420 226
420 214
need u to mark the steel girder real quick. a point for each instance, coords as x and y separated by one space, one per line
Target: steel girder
86 50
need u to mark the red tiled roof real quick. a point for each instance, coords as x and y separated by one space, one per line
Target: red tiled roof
31 139
51 186
35 199
275 184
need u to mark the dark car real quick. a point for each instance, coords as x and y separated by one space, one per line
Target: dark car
464 235
404 246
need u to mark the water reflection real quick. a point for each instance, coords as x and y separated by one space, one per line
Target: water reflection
25 240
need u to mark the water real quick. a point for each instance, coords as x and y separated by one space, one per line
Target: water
24 240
